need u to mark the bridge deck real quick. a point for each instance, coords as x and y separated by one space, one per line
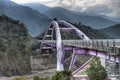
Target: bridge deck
110 46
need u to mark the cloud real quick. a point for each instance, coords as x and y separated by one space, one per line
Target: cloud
115 6
98 9
106 7
29 1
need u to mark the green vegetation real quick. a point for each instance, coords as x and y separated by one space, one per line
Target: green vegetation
14 47
63 75
69 35
55 19
96 71
90 32
35 46
83 73
38 78
20 78
113 31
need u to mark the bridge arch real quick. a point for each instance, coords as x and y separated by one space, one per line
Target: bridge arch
54 26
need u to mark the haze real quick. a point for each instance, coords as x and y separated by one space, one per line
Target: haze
104 7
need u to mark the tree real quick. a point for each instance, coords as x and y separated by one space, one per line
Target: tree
96 71
79 23
55 19
63 75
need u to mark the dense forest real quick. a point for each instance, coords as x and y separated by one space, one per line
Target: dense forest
113 31
14 47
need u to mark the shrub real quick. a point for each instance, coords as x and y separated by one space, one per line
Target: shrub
96 71
38 78
20 78
64 75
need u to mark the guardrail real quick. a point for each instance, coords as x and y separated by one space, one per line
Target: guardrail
111 46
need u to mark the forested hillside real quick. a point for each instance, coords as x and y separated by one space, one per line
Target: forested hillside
112 31
14 47
92 33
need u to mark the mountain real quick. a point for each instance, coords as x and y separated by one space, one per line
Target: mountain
34 21
93 21
113 31
37 6
96 22
118 20
111 18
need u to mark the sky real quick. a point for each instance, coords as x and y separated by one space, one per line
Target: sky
109 8
29 1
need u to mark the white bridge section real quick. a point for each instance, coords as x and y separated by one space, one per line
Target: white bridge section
59 43
59 40
59 46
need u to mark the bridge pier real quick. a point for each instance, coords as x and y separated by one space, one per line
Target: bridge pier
72 60
103 60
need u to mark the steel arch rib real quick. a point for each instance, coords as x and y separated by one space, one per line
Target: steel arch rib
78 32
58 46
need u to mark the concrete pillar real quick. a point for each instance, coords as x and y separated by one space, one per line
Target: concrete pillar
103 62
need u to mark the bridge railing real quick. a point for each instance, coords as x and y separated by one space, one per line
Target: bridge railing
111 46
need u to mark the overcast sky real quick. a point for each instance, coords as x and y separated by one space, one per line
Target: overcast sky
105 7
29 1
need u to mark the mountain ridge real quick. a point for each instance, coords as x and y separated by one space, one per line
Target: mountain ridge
34 21
72 16
96 22
36 6
112 31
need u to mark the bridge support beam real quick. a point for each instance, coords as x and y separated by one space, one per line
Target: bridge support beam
80 68
72 60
